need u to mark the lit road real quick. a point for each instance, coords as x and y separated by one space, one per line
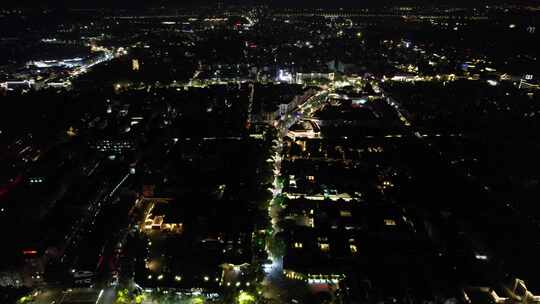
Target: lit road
106 193
48 296
304 110
273 282
107 297
78 71
402 114
75 295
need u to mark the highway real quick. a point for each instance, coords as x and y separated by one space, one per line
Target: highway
84 234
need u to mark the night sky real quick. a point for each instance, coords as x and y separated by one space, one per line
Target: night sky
295 3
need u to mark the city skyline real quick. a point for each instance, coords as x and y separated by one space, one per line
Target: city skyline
268 154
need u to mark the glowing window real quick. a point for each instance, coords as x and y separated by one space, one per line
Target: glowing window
389 222
324 247
345 213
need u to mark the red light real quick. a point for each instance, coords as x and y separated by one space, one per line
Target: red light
29 252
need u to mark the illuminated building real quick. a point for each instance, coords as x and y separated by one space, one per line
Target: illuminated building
515 293
162 217
285 76
306 77
114 146
18 85
135 64
314 278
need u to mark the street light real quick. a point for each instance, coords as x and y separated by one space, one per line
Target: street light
245 298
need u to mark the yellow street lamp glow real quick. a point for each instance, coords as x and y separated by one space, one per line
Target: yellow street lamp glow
197 300
139 299
245 298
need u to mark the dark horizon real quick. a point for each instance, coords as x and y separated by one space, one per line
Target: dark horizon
127 4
